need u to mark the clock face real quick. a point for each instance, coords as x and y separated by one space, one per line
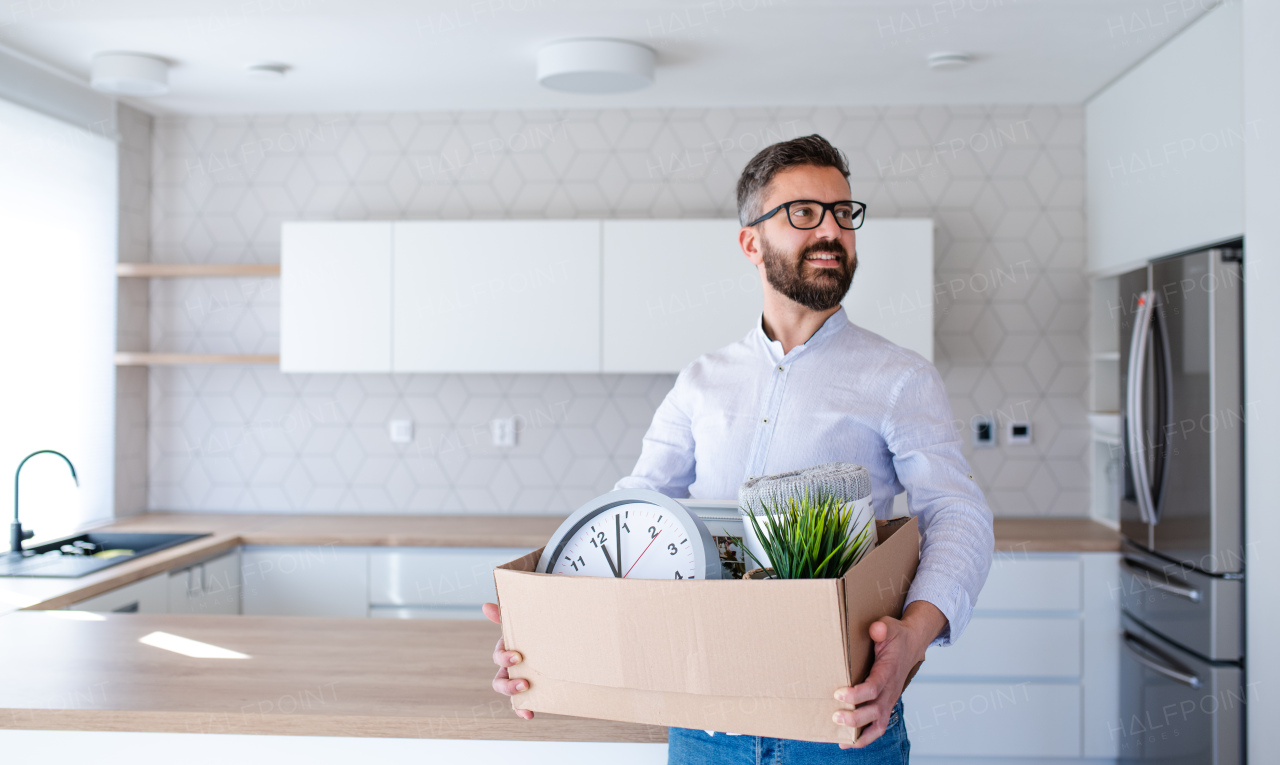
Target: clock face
632 534
631 541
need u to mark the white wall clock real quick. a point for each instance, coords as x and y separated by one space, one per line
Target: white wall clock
632 534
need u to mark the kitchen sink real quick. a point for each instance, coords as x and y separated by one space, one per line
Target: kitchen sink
83 554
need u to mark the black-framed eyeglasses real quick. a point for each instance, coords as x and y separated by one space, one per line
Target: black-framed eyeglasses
806 214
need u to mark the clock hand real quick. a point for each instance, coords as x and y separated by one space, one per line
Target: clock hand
642 552
617 533
612 567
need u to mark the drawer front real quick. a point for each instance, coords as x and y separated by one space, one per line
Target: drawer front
1038 647
436 576
1032 582
145 596
993 719
1204 613
305 581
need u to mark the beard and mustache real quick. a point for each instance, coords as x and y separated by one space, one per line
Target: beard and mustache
820 289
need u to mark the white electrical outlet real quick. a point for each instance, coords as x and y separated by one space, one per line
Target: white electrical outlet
504 431
1018 433
401 431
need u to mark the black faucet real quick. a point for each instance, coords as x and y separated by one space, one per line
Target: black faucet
16 535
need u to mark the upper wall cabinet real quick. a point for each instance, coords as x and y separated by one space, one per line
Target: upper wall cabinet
674 290
1164 147
335 296
559 295
497 296
892 293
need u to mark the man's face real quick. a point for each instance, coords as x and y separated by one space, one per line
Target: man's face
812 267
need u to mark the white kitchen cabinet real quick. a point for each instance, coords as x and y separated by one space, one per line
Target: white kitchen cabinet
893 289
317 580
145 596
674 290
208 587
497 296
1034 674
1164 148
434 582
335 296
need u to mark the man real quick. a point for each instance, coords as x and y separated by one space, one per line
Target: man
806 387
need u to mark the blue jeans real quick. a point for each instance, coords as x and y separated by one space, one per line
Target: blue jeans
695 747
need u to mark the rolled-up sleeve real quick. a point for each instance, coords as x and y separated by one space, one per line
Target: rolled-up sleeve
955 522
667 462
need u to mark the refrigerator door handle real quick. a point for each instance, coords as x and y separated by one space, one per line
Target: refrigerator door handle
1136 568
1133 404
1142 652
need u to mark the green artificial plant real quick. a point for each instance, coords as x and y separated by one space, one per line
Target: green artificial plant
809 538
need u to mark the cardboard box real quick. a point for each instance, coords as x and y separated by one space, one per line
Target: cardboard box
760 657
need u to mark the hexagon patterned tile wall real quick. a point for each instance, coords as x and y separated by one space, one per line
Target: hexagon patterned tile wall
1004 183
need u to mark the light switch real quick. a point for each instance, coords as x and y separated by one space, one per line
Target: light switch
504 431
984 431
401 431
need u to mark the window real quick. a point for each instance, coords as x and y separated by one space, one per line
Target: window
58 239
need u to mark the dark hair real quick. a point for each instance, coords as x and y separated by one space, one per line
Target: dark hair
758 174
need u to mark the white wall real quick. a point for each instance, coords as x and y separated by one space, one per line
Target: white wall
1262 369
58 213
1164 148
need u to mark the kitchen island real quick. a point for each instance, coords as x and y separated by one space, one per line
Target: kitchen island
399 688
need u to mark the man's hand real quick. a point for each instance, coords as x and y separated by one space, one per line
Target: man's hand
900 644
502 682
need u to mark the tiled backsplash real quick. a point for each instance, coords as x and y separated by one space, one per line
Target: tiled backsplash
1004 183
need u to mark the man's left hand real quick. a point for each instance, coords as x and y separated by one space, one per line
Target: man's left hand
900 644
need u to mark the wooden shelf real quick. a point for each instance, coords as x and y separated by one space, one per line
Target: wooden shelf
178 270
127 359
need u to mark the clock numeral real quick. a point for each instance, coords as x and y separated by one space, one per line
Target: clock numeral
678 575
628 528
653 532
600 536
672 548
575 563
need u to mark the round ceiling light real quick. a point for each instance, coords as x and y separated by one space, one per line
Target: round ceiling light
130 74
948 60
595 66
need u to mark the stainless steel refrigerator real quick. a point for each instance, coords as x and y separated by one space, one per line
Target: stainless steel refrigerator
1182 569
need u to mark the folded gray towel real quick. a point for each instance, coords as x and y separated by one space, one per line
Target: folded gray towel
844 480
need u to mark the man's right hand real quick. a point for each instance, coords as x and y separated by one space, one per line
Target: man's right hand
502 682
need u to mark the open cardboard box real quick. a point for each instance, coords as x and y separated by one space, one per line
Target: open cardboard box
760 657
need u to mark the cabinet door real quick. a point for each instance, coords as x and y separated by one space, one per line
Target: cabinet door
437 576
335 296
1164 148
893 289
320 580
674 290
210 587
145 596
497 296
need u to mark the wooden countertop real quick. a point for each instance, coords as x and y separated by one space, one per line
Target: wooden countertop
1054 535
304 677
227 530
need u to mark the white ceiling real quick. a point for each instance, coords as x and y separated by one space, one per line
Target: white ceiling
397 55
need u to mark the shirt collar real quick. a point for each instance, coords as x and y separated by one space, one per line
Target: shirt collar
831 327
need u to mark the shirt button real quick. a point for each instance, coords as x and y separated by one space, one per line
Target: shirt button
779 369
766 419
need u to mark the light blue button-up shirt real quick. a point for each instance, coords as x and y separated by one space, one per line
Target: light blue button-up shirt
845 395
